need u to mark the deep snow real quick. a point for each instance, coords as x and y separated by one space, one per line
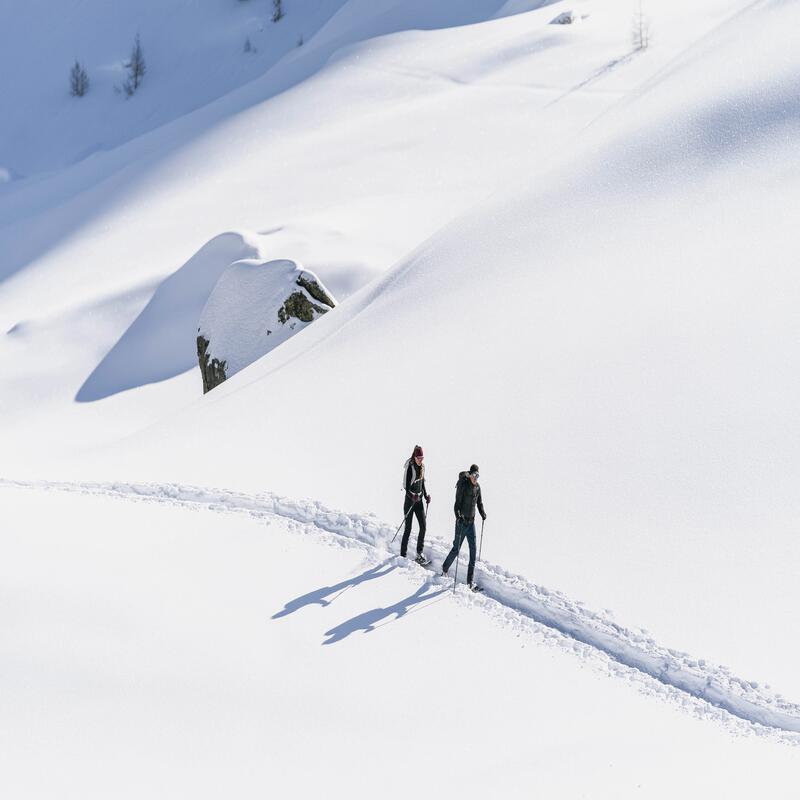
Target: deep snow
160 651
633 655
561 259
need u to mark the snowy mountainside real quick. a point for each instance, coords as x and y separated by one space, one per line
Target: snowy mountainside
611 345
393 136
193 52
559 257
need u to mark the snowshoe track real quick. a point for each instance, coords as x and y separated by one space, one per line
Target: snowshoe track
713 684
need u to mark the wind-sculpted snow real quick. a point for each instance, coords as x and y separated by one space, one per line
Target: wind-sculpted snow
504 592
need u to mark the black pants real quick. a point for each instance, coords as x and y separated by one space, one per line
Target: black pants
420 513
464 530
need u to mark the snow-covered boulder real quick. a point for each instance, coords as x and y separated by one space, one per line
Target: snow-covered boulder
254 307
566 18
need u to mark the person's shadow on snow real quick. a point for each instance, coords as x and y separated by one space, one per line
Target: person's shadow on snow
368 620
321 596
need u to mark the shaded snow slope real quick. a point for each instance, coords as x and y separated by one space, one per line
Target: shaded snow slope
193 52
345 155
161 342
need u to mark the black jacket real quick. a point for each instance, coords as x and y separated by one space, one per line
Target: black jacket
415 486
467 497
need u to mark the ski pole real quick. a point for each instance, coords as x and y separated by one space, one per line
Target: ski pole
402 523
458 555
483 521
425 514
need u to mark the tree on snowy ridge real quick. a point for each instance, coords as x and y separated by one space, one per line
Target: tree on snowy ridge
78 80
641 28
277 10
136 68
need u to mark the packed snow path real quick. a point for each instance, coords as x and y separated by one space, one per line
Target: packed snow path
706 682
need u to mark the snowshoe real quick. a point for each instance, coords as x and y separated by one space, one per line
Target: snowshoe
422 560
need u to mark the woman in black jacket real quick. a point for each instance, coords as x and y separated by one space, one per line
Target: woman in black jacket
415 490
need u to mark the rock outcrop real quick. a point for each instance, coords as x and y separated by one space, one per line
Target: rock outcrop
566 18
255 307
211 369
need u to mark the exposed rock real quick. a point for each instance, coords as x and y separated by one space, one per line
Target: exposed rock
212 370
566 18
255 307
315 290
299 306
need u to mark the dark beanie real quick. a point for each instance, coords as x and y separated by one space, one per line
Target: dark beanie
418 452
473 470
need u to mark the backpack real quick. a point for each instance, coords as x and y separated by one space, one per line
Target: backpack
405 469
418 470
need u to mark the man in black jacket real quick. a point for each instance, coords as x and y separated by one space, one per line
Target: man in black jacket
468 496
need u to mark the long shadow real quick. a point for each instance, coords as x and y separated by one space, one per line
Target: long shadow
161 342
368 620
320 596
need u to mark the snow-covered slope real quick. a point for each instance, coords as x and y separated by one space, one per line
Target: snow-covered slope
614 346
193 52
562 259
169 651
344 156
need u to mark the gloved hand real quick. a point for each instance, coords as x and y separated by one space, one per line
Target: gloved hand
459 516
483 517
428 499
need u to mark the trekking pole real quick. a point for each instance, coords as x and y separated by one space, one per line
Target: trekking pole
402 523
425 511
483 522
458 556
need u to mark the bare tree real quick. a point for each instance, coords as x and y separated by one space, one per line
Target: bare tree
78 80
641 28
136 68
277 10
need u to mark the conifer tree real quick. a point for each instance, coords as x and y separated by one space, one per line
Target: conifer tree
78 80
136 68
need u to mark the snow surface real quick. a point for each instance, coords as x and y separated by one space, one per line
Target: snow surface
509 596
166 650
567 261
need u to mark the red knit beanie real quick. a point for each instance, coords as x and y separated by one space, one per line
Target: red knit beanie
418 452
